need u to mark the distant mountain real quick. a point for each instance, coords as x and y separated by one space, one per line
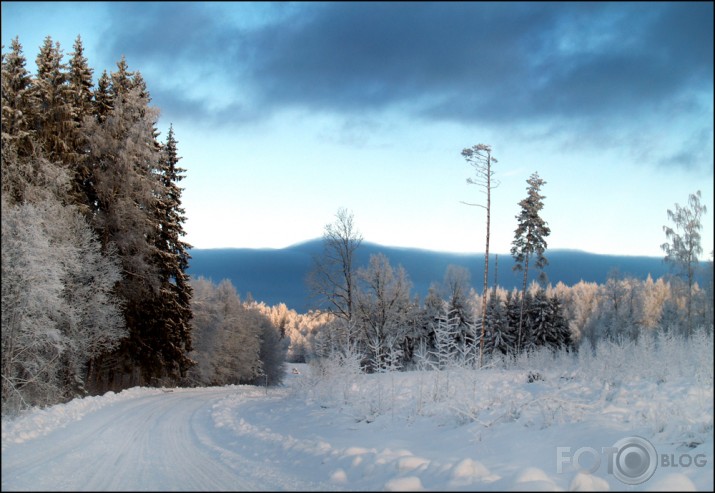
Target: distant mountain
278 275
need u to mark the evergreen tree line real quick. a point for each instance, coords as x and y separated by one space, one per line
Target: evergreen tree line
95 295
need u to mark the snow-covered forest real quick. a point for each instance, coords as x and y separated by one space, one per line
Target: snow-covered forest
96 300
95 295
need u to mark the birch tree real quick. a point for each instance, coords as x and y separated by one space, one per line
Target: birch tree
683 246
58 309
332 279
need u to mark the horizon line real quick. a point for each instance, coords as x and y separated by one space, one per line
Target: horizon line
448 252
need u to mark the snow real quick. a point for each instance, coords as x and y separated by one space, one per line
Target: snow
454 430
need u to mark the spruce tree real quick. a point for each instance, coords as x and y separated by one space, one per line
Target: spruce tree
559 325
103 99
54 119
540 321
81 93
455 288
80 81
528 317
17 143
173 259
512 306
123 81
499 336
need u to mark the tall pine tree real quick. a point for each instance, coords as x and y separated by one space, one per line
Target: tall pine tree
529 240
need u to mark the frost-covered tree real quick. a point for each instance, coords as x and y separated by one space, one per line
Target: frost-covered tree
205 336
235 342
455 289
563 338
433 307
683 246
382 308
227 347
653 294
332 279
580 303
530 239
24 170
539 320
123 156
80 93
547 325
298 329
80 81
455 292
15 96
501 336
480 159
58 308
103 99
445 340
54 116
272 349
97 153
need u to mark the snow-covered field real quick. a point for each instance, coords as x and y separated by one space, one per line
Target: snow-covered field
494 429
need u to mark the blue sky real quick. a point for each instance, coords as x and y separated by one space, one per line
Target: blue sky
286 112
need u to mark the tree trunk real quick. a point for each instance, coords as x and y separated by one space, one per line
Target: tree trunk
486 264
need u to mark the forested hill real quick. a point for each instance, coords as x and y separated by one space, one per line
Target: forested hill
278 275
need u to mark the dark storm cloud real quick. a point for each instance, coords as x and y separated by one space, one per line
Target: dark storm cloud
473 62
172 34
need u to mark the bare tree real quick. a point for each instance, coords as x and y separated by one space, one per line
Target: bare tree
332 279
683 249
480 158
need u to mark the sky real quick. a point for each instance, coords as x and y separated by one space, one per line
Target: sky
286 112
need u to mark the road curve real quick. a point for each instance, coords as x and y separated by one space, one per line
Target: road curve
166 441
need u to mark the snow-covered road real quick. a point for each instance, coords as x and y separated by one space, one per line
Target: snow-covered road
289 439
161 441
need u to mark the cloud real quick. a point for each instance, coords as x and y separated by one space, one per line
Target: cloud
696 153
571 65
